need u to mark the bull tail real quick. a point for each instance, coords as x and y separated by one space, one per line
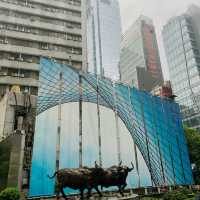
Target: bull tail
51 177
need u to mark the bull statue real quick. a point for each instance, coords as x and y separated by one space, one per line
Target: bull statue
116 176
89 178
78 179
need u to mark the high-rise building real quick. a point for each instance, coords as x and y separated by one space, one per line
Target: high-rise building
30 29
103 37
181 37
140 61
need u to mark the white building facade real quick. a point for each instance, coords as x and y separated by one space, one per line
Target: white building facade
30 29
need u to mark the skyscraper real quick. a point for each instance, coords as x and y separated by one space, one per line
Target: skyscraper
103 37
30 29
140 61
181 37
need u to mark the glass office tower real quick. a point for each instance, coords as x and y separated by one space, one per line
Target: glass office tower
140 60
103 37
181 38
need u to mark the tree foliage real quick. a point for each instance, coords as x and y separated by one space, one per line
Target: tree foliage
179 194
193 141
10 194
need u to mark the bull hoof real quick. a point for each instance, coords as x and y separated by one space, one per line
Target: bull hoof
88 196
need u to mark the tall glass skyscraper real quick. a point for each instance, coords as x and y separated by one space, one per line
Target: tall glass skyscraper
103 37
181 38
140 60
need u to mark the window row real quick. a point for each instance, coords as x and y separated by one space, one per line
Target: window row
21 73
193 122
19 57
35 59
29 89
20 28
28 4
32 18
40 45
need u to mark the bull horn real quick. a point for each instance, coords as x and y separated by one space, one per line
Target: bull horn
96 165
132 165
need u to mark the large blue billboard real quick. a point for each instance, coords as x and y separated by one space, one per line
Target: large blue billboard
153 124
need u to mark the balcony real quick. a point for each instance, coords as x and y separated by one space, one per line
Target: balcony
21 65
39 38
10 80
39 12
39 52
59 4
38 24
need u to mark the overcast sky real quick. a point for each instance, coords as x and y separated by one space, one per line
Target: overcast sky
159 10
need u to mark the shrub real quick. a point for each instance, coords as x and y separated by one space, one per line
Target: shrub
179 194
10 194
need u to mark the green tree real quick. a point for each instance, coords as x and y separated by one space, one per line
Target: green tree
193 141
10 194
179 194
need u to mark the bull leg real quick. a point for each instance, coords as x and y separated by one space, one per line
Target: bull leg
120 190
57 197
124 186
97 189
63 193
57 191
89 192
82 197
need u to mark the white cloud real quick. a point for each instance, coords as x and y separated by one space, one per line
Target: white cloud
159 10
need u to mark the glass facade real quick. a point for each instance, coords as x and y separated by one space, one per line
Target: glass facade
183 55
103 37
139 52
154 124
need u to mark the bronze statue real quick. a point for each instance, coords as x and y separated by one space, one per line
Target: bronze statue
115 176
89 178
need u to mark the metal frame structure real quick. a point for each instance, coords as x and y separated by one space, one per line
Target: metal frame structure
154 123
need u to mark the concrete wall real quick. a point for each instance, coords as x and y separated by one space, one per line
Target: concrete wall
11 158
16 161
4 162
3 106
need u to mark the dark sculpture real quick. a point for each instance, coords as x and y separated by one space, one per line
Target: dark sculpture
116 176
89 178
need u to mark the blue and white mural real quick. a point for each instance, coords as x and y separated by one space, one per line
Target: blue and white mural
152 123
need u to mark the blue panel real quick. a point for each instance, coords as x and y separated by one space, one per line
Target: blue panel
154 124
44 155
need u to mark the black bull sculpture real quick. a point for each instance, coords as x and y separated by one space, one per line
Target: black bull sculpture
91 178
